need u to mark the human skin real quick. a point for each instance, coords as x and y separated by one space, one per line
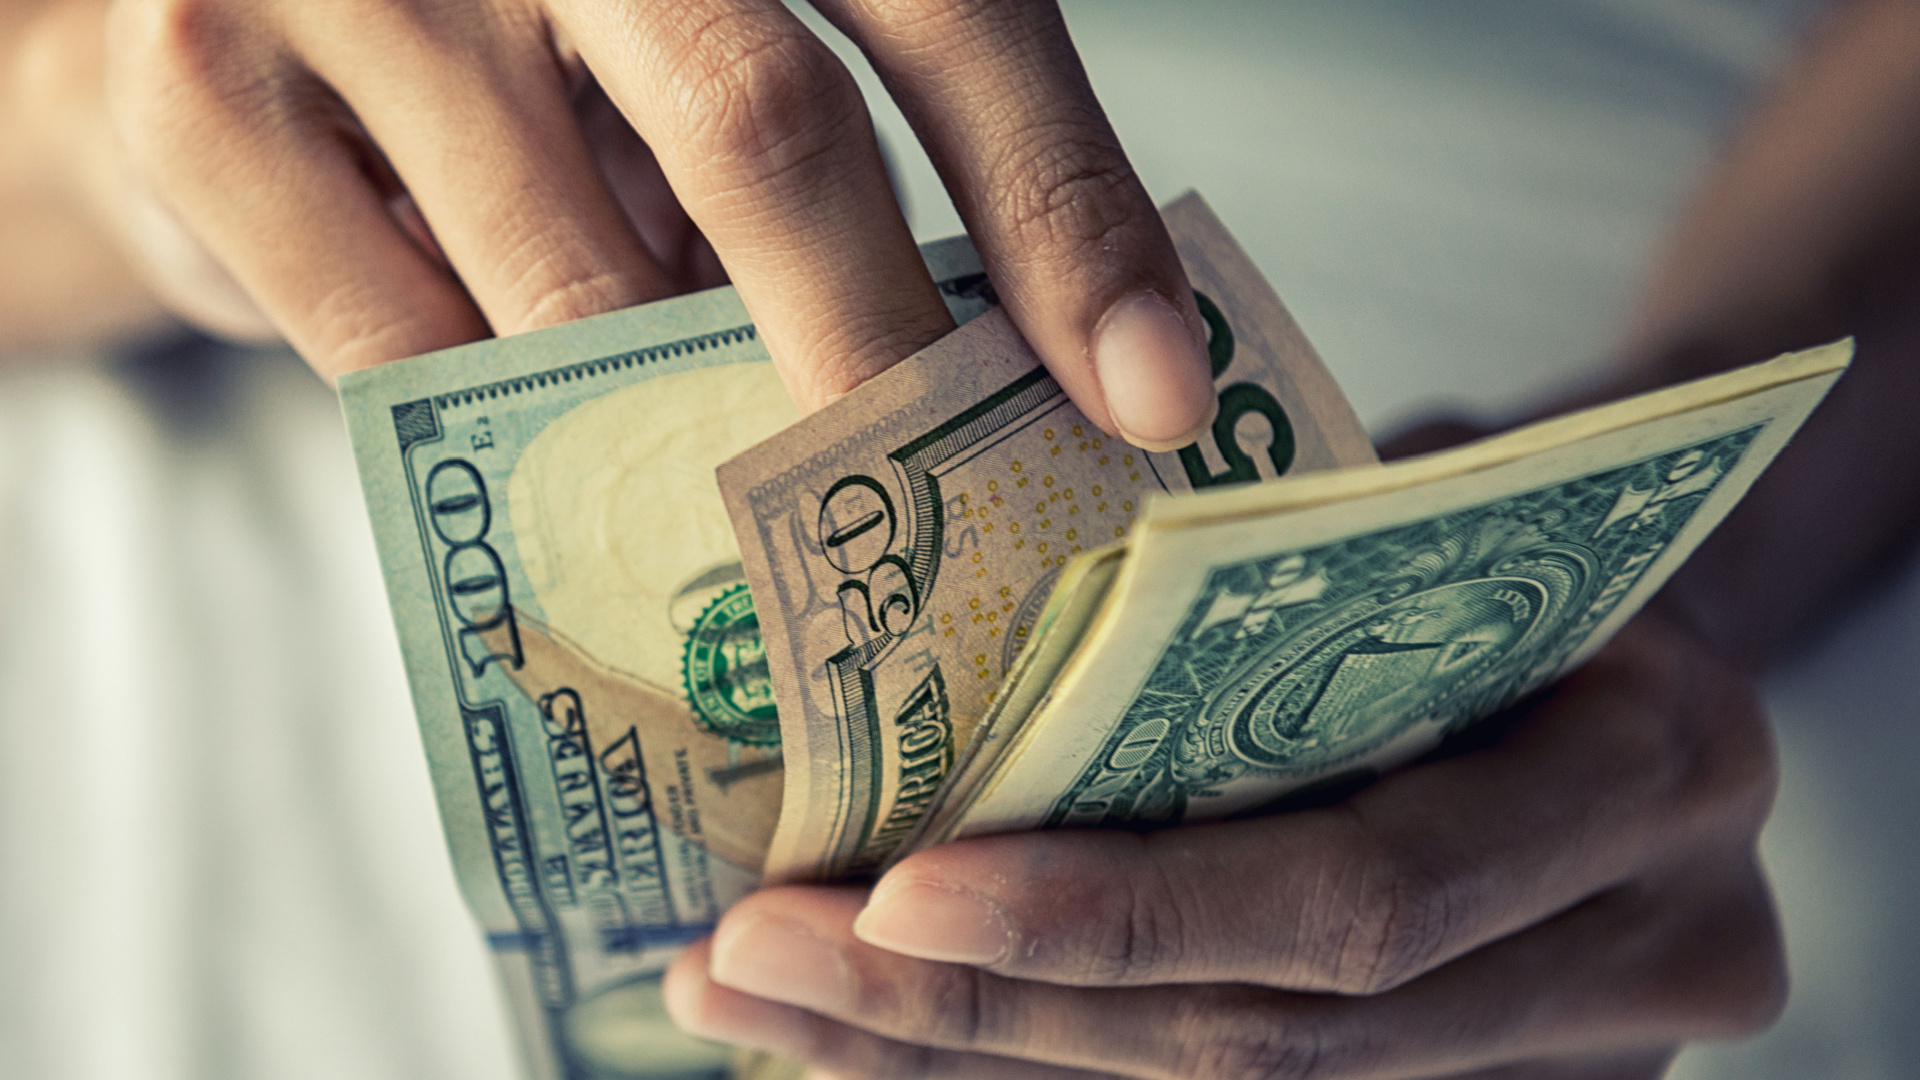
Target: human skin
68 278
1576 898
383 178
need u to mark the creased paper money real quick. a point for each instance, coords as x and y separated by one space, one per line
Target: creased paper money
1312 632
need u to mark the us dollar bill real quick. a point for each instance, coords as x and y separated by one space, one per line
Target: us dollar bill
902 543
1252 644
583 651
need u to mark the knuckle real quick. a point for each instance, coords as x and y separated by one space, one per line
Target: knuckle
1249 1044
1697 750
179 72
1256 1056
1068 190
1696 757
1137 932
1397 914
958 1008
861 345
744 91
910 16
576 298
548 272
955 1007
832 356
348 330
179 42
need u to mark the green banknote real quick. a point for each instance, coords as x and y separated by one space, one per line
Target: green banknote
1312 632
583 652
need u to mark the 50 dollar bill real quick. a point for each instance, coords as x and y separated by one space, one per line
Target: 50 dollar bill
901 543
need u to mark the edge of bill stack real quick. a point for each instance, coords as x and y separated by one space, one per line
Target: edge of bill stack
1262 641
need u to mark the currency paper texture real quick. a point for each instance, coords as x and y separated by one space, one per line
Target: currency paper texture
1318 630
901 543
582 648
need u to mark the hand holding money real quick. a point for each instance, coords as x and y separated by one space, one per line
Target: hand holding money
955 611
1274 639
1591 871
591 674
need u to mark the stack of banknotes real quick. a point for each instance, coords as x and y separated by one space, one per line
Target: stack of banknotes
667 639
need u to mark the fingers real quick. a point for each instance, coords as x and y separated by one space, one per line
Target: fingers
246 120
1632 1065
530 227
633 174
1075 248
1646 755
759 130
1641 967
237 135
764 137
700 1005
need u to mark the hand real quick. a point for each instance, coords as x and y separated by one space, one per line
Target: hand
296 139
1572 900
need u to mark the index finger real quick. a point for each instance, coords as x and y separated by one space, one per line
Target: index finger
763 135
1638 758
1080 257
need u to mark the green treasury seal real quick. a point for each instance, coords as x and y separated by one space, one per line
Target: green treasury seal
725 670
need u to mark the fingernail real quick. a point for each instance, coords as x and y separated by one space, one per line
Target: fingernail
935 922
1154 373
782 961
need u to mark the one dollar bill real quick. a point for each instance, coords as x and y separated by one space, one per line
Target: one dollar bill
1248 645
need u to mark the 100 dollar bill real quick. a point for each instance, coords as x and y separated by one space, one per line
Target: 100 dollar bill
902 542
582 648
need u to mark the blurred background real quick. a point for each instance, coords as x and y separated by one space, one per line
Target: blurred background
218 851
